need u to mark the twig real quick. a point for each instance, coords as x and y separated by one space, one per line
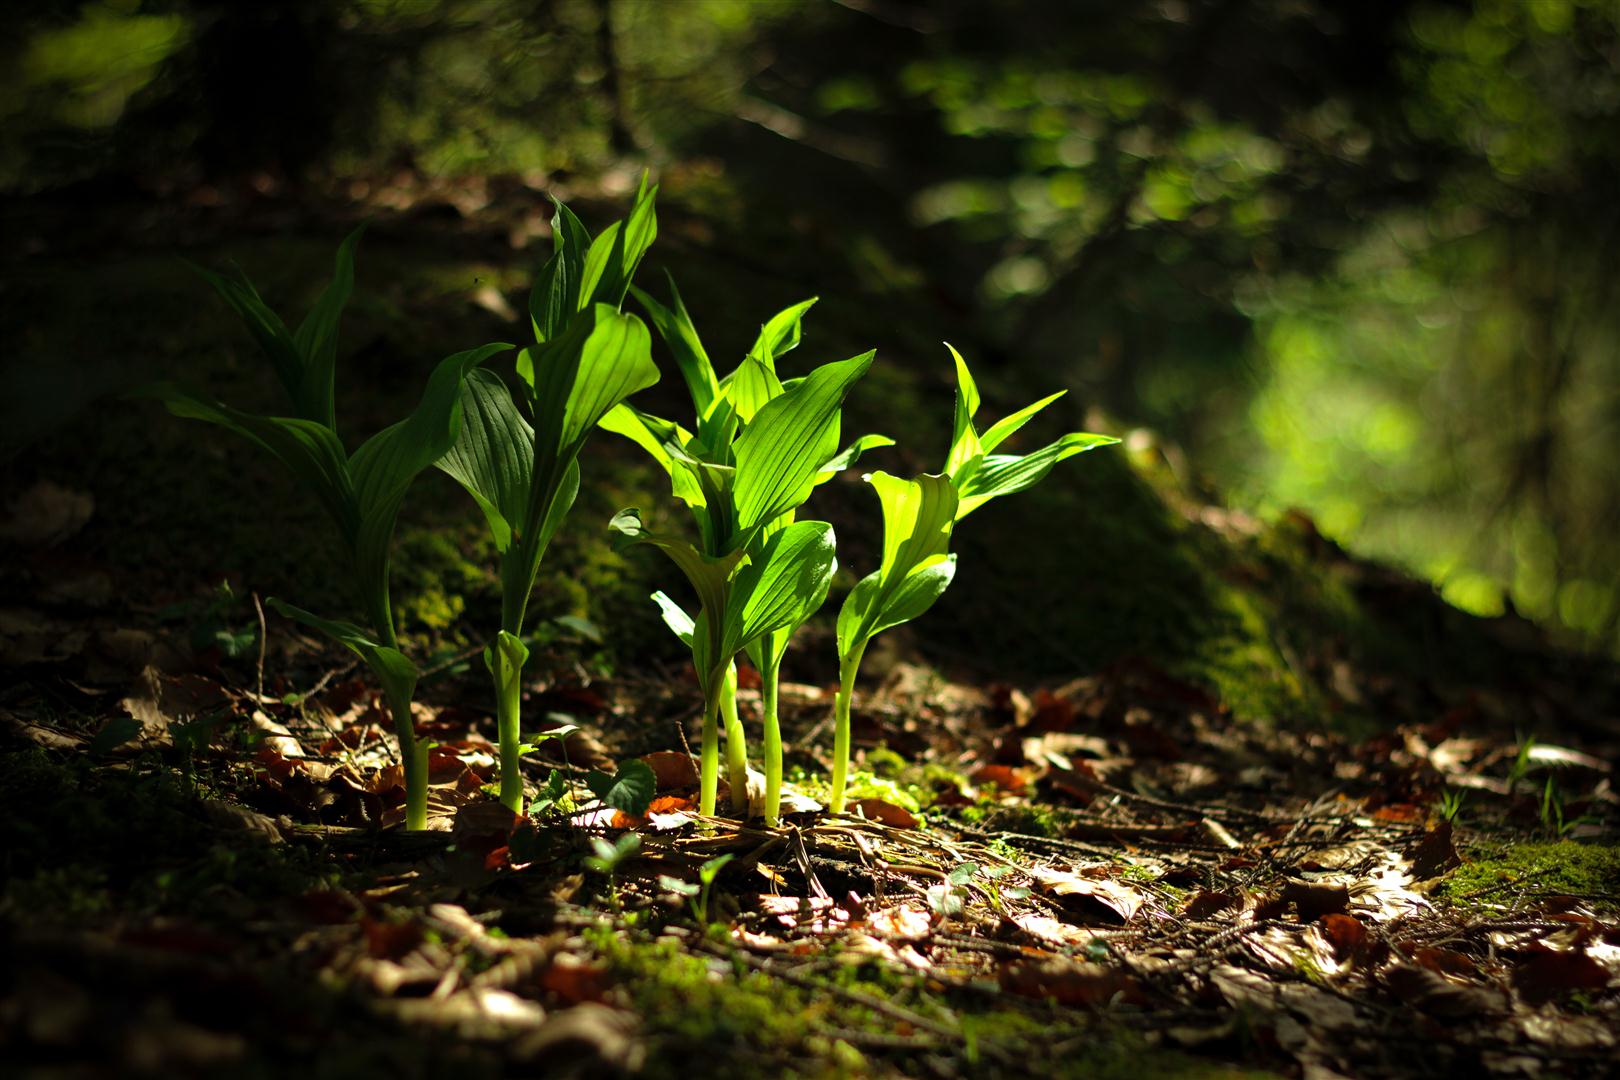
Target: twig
258 607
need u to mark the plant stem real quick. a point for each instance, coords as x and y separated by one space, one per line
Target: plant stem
736 744
848 667
413 756
773 744
709 762
509 724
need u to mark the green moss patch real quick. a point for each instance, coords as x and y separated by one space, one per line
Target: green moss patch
1496 875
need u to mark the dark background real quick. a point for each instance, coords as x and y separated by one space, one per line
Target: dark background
1355 258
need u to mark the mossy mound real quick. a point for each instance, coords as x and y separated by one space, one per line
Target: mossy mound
1498 874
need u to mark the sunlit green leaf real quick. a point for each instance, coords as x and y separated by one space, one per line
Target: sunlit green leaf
777 458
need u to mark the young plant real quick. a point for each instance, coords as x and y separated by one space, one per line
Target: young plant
760 447
588 357
918 517
362 492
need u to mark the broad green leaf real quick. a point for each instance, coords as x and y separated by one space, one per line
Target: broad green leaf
614 255
309 450
569 236
630 790
603 358
777 453
868 611
386 463
780 333
493 454
1003 474
550 299
755 381
317 336
675 617
782 585
665 441
965 444
708 574
752 385
917 519
674 325
396 673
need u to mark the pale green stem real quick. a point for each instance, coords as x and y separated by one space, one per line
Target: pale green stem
412 752
736 744
413 756
709 763
509 724
848 667
773 745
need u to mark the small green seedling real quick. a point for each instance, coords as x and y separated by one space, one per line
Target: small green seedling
588 357
1451 803
362 492
918 517
607 858
761 446
697 893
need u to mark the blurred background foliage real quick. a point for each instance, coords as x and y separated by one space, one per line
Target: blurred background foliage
1356 258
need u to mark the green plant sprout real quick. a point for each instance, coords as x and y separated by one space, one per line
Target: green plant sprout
606 859
362 492
697 893
918 517
588 357
761 446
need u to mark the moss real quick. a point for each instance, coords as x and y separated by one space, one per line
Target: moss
1566 866
1026 819
696 1006
88 840
437 570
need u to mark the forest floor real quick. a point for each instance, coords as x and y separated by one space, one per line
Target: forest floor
1295 817
204 875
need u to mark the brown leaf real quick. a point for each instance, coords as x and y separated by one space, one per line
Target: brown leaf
390 941
897 817
1445 962
1550 973
672 769
1004 777
1314 899
1345 934
575 980
1207 902
1434 854
1101 898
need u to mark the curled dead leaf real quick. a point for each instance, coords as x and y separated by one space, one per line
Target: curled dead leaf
887 813
1100 898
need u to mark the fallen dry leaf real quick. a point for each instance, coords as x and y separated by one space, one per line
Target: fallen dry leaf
887 813
1099 897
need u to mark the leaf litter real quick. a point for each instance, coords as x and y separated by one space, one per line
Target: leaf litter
1066 856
